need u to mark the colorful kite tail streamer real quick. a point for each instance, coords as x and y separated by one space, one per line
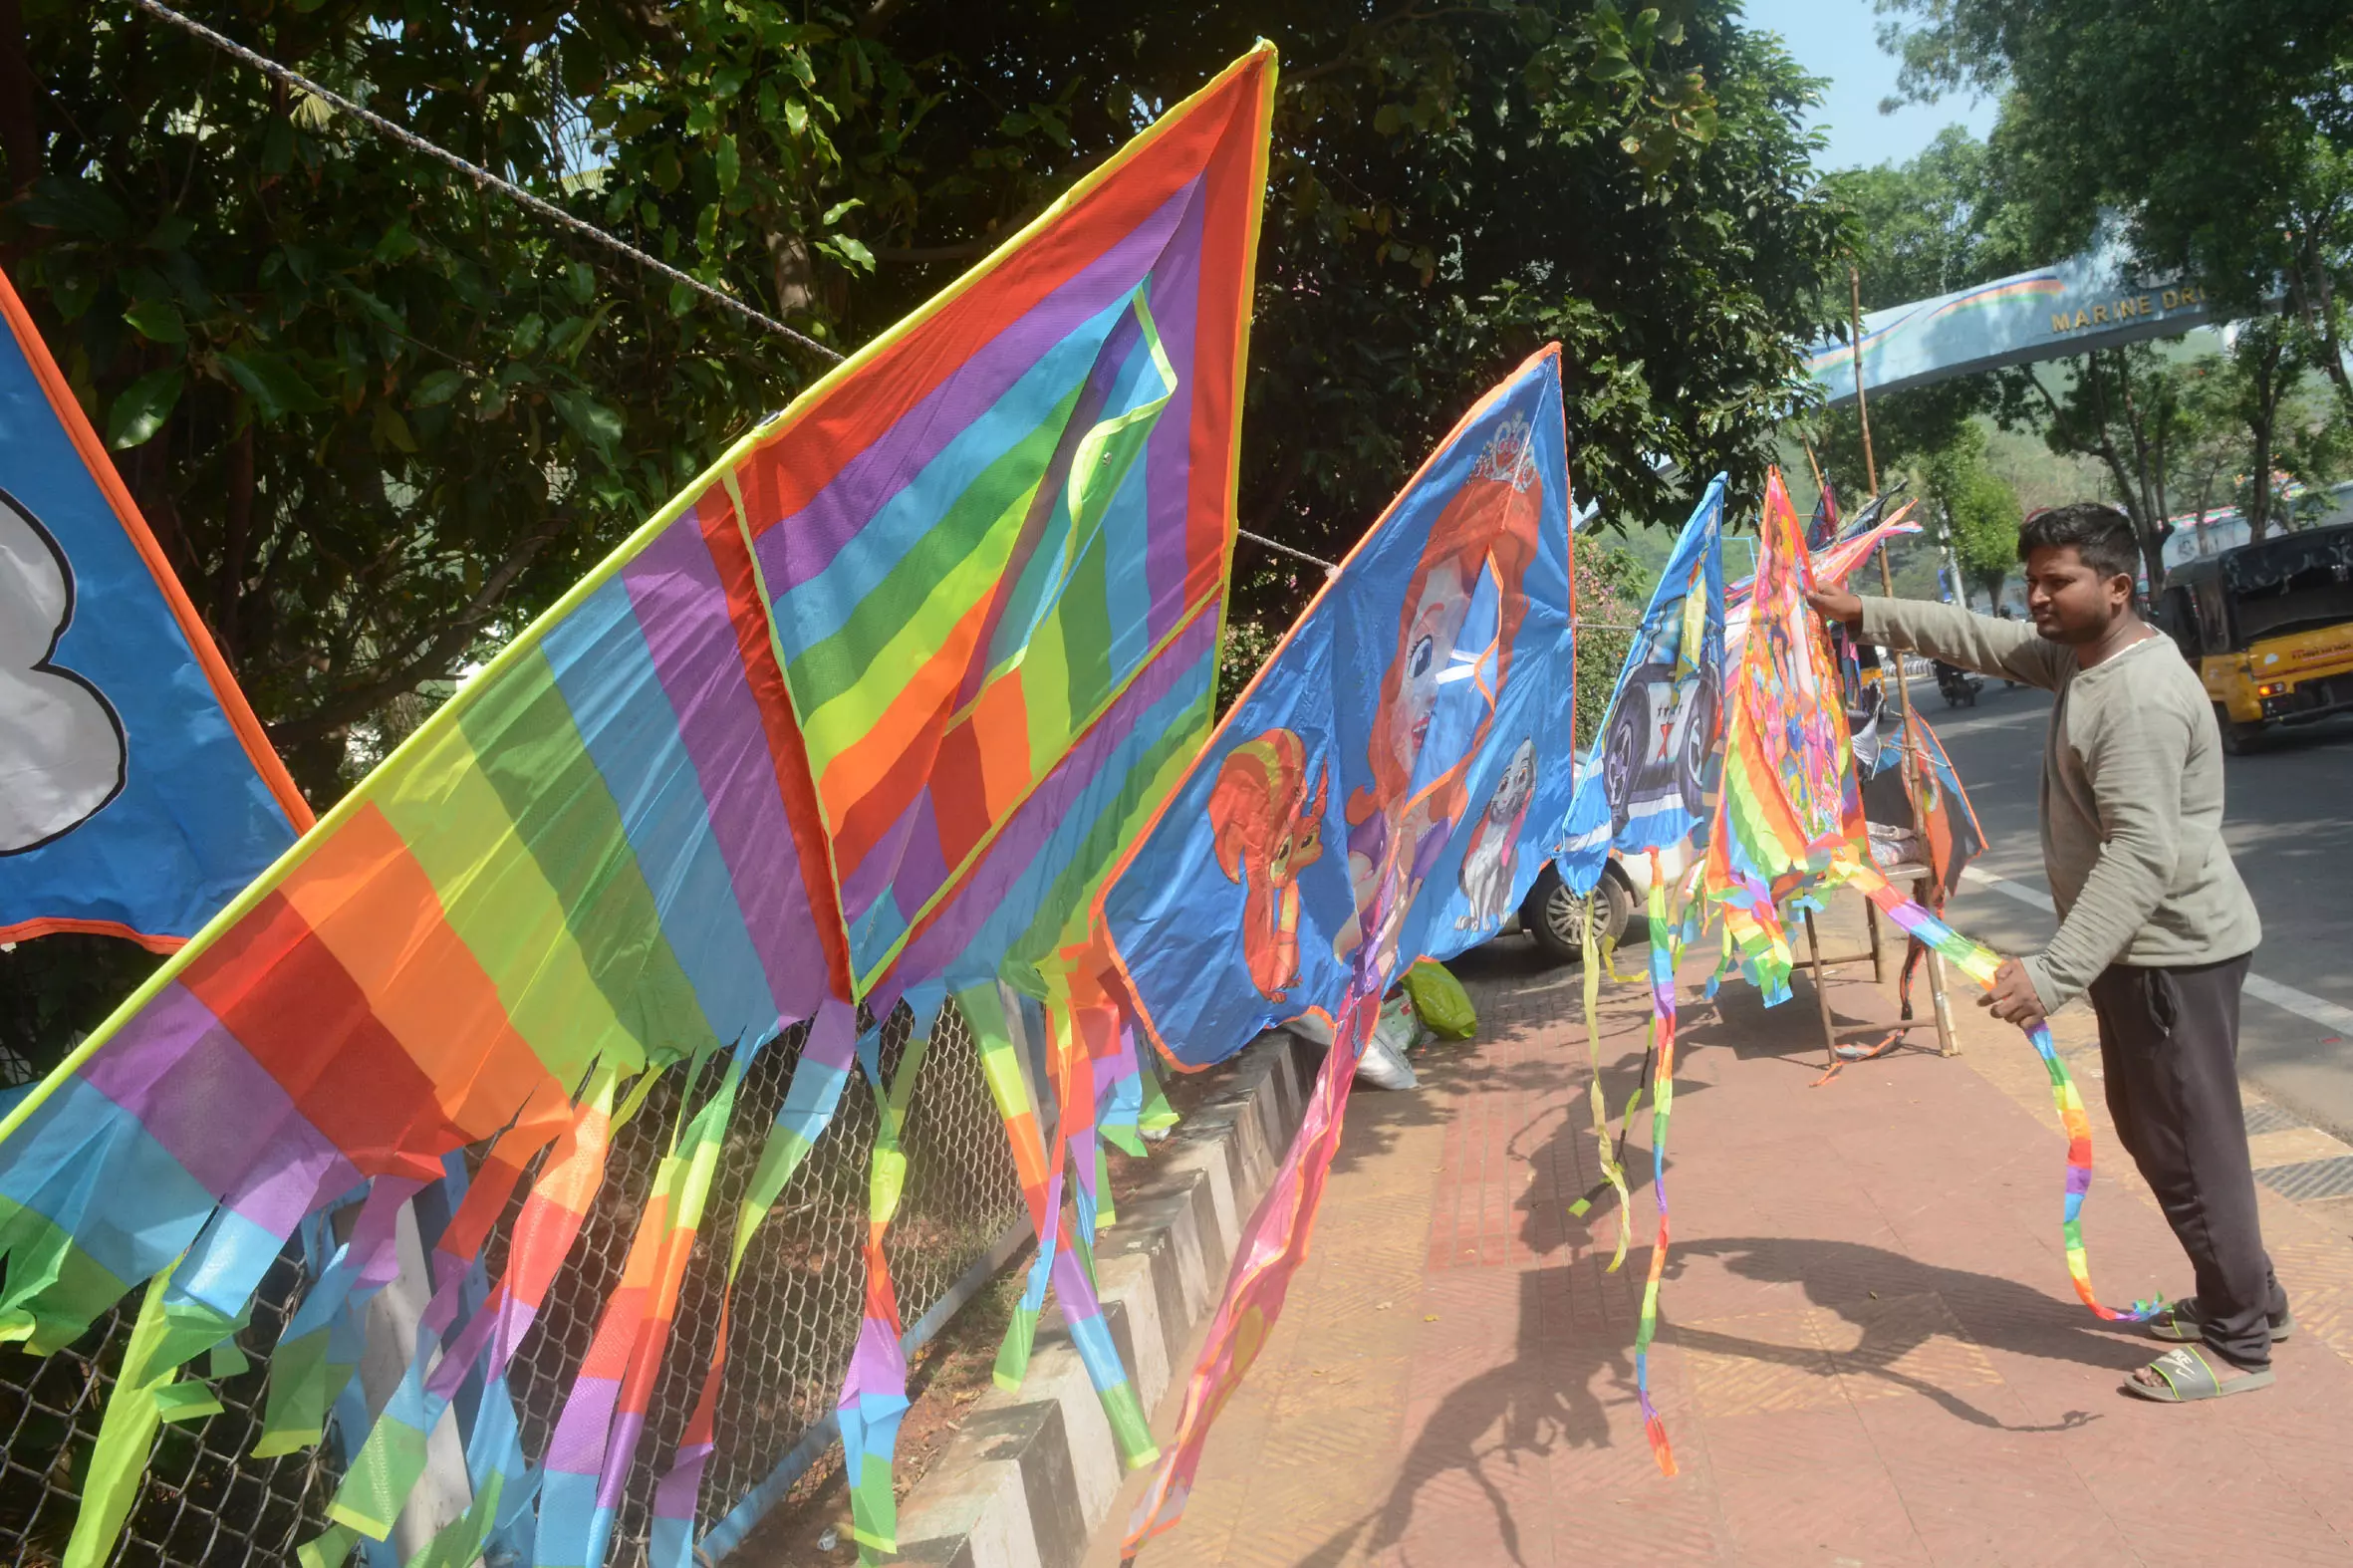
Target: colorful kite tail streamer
1274 1244
1665 946
874 1393
1611 1171
1979 964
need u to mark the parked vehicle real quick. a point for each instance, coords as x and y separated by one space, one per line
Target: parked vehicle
1555 917
2269 629
1957 686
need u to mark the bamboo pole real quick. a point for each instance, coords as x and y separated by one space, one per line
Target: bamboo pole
1862 410
1886 582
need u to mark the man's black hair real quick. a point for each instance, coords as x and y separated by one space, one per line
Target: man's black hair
2099 533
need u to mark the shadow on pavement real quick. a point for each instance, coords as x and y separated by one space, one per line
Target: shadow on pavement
1574 1344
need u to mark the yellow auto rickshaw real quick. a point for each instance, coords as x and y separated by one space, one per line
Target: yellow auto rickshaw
2269 629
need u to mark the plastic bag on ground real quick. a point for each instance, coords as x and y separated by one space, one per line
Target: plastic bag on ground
1384 1064
1445 1007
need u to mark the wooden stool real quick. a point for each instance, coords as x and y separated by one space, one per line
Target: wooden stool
1939 1009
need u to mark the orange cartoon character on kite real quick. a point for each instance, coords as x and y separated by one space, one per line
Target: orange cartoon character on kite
1462 610
1268 828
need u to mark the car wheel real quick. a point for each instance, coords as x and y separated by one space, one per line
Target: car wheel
1622 752
1699 744
1555 917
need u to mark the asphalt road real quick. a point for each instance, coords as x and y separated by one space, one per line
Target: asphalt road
2289 822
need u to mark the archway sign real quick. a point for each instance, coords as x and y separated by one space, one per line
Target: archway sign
2074 306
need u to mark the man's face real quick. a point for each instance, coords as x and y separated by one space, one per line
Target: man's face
2070 601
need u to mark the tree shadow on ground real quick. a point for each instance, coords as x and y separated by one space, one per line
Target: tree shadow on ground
1572 1356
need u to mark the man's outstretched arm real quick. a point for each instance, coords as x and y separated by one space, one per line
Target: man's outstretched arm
2010 649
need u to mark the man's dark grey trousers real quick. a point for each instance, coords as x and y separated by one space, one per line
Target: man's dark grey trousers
2169 1050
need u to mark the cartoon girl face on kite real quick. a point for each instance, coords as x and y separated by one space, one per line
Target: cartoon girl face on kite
1437 622
1461 609
1267 828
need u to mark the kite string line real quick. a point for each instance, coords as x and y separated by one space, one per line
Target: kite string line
524 198
482 177
1329 567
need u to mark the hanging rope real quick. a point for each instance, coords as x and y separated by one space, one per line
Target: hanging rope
1271 543
484 178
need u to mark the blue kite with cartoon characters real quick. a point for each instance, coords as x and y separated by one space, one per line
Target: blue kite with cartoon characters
1394 779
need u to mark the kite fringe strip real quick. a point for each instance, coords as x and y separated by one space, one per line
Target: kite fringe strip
1612 1172
1666 947
1979 964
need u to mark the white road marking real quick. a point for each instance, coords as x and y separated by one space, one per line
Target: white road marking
2016 890
2303 1004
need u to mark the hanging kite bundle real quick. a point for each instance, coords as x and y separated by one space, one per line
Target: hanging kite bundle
862 718
1786 827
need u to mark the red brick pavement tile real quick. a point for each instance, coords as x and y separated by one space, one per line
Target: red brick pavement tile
1982 1486
1868 1350
1809 1486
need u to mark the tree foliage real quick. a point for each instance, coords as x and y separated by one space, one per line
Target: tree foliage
2221 132
1979 513
379 418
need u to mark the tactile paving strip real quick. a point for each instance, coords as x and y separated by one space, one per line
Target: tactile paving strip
2311 1179
2263 1117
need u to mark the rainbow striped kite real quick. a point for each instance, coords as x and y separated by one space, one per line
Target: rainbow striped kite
1789 796
861 718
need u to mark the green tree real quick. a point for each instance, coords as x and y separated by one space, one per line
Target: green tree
1979 511
2119 405
2180 436
2220 133
381 419
1613 587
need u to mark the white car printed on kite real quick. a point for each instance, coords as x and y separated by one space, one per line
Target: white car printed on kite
1661 741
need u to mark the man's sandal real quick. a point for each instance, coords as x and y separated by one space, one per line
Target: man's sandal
2181 1322
2185 1375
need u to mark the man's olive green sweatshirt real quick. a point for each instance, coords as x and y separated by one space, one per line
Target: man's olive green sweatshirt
2132 796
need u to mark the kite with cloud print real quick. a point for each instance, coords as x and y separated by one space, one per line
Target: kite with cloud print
137 793
61 745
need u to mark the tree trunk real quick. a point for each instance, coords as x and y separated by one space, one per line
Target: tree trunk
316 763
2313 299
2266 413
2127 493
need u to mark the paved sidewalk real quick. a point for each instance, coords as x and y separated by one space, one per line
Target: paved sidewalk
1870 1353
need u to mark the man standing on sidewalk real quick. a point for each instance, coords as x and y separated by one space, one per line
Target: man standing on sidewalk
2154 922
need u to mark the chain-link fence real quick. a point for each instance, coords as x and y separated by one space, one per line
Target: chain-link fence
206 1500
798 1304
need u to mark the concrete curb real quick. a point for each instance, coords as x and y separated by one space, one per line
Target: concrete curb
1031 1473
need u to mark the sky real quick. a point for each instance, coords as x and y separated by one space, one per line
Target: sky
1839 39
